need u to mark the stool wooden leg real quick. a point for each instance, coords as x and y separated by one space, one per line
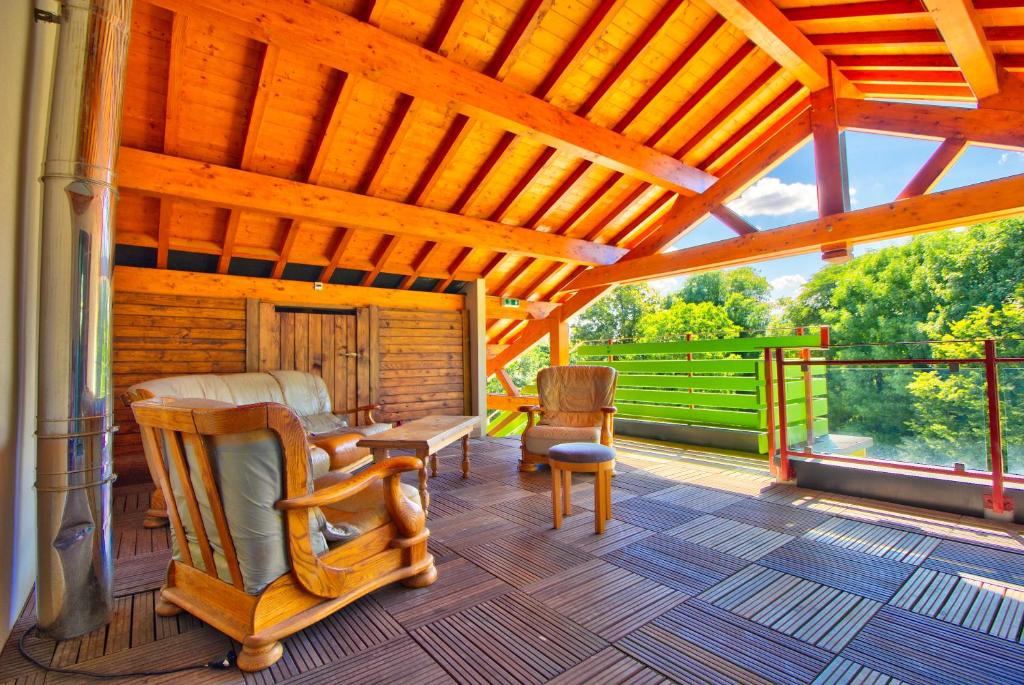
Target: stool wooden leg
556 496
567 492
608 495
599 513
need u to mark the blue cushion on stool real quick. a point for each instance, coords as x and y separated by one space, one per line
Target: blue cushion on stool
581 452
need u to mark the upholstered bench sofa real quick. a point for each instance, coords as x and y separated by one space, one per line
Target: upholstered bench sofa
331 436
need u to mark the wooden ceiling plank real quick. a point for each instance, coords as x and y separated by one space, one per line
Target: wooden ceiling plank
774 106
855 10
770 30
380 260
848 63
442 284
988 201
734 221
425 253
172 124
985 126
355 47
932 171
160 175
962 31
830 170
347 234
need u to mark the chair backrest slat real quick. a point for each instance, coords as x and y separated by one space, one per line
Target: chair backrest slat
177 458
202 459
156 457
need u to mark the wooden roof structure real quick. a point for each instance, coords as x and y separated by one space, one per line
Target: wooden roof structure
551 147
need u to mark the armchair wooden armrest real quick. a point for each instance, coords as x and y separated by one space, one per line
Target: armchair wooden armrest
368 410
531 411
607 425
349 487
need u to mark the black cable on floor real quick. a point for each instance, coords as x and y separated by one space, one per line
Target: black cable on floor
221 664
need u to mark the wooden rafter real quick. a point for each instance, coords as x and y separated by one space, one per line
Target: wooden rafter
355 47
733 220
941 161
768 27
994 127
425 253
779 104
162 176
344 238
829 155
442 284
268 66
380 259
172 123
962 31
972 204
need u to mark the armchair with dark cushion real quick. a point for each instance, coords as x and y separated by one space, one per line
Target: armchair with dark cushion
575 406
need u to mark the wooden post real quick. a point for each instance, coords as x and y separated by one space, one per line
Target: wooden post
476 338
829 166
558 334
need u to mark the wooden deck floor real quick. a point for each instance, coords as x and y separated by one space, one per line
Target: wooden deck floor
708 574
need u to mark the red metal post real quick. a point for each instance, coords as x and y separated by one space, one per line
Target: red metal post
997 501
780 370
769 400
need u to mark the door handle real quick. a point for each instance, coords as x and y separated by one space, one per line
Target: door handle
349 354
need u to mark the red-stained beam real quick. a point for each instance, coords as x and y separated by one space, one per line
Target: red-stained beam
934 168
380 259
829 155
443 284
992 33
904 76
418 263
883 8
732 220
891 62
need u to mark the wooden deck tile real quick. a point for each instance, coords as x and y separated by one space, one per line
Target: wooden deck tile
803 499
530 512
460 584
879 541
918 649
707 500
610 667
523 559
578 531
698 643
490 493
399 661
845 672
775 517
640 482
970 602
140 573
654 514
513 638
677 564
730 537
607 600
872 577
959 557
445 503
471 528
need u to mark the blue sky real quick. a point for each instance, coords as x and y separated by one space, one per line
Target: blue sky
879 166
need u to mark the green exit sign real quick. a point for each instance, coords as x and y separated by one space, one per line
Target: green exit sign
509 302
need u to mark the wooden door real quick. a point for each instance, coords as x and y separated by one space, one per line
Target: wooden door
334 345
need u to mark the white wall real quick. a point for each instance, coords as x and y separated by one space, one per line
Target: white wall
26 56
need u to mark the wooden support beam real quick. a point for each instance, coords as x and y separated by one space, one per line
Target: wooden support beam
494 350
443 284
993 127
380 259
426 251
941 161
962 206
133 279
507 383
829 155
733 220
162 176
558 339
767 26
345 43
962 31
527 309
339 249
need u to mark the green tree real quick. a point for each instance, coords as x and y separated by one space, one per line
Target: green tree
743 293
615 316
704 320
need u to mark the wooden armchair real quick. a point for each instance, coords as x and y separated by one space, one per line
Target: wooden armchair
576 405
252 560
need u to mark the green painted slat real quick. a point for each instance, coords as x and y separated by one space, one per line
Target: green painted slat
711 417
738 383
697 346
737 366
699 399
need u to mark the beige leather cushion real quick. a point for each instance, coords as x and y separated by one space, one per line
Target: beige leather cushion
323 424
207 385
319 461
305 393
371 429
252 388
574 395
539 439
362 512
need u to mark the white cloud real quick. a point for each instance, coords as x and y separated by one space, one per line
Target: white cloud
1007 156
771 197
664 286
787 286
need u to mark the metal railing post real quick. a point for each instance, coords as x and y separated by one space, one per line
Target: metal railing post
997 502
769 400
780 370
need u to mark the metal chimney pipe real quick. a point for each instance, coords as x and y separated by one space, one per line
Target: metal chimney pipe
75 410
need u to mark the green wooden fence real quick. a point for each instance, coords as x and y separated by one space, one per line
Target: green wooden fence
709 383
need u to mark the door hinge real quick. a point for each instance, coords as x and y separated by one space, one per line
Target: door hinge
39 15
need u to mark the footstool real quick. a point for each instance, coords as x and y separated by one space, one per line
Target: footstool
581 457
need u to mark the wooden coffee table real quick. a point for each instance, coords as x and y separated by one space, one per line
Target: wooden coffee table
426 437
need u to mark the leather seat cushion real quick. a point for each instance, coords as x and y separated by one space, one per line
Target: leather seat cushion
541 438
363 511
342 450
581 452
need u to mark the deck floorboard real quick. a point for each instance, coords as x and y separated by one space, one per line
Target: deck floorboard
708 573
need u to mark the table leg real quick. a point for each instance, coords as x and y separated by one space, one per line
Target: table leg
424 495
433 465
379 454
465 456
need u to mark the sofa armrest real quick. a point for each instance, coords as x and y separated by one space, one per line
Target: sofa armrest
532 412
367 410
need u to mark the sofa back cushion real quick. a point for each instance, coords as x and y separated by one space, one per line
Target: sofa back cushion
253 388
574 395
207 386
307 395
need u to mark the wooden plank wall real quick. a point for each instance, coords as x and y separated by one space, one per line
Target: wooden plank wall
422 363
168 335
